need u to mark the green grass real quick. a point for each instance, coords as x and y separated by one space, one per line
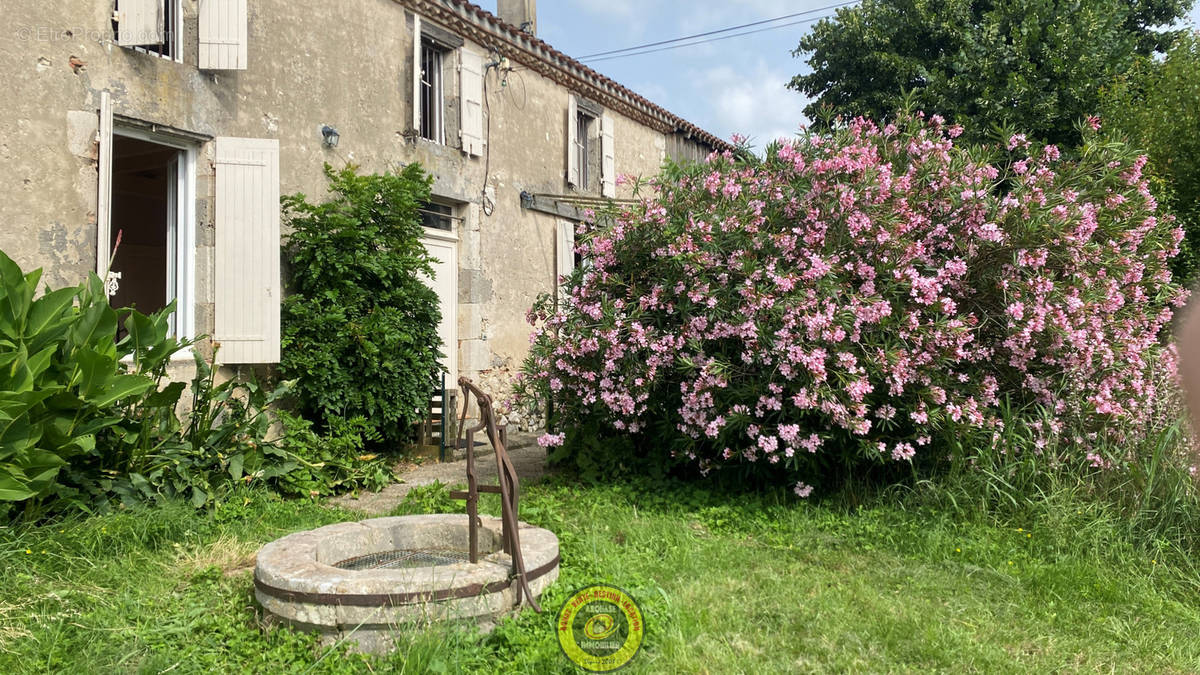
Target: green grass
728 583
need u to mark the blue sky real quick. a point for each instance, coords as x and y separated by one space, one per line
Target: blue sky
734 85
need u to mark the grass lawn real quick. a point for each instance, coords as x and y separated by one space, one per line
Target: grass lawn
727 584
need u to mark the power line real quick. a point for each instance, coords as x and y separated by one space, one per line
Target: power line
700 42
725 30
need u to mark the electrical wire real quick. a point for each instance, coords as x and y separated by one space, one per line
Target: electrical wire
716 39
725 30
486 204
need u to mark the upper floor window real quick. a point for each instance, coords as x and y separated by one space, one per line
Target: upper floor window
432 103
151 26
156 27
447 89
583 136
591 154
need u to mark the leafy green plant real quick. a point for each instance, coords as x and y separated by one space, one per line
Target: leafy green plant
332 463
87 418
152 454
61 374
359 323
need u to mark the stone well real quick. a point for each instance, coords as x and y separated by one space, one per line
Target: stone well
365 581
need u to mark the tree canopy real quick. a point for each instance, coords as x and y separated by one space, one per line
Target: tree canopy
1156 108
1037 65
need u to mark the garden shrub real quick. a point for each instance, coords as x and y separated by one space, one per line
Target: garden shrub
867 297
360 324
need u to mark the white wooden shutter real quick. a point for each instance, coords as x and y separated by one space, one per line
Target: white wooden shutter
470 99
224 33
572 142
416 75
247 251
140 23
565 248
608 163
104 196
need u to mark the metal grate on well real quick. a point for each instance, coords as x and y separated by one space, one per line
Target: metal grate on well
404 558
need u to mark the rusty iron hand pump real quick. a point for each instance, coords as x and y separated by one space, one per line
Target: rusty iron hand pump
508 489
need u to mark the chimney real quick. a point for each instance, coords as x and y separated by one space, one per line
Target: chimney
520 13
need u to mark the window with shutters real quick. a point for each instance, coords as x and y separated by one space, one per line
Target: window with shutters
591 163
150 26
447 89
432 100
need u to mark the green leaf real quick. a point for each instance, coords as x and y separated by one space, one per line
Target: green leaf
235 466
120 387
48 315
199 497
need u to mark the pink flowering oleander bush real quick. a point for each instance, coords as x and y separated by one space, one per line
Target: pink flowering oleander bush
873 295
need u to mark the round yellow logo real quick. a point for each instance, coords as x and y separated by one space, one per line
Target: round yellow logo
600 628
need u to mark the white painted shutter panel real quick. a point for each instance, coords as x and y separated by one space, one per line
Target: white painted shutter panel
565 248
140 23
224 33
608 156
247 251
572 142
104 196
470 83
416 75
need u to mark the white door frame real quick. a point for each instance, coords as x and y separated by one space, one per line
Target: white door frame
443 246
182 268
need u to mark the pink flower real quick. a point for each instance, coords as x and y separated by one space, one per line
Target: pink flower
802 490
903 452
551 440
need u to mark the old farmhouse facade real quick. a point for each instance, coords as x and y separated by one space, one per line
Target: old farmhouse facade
177 125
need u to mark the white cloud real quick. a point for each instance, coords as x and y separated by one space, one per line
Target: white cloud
754 102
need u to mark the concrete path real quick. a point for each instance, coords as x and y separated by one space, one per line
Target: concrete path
528 458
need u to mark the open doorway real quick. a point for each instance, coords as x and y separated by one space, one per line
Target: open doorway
152 258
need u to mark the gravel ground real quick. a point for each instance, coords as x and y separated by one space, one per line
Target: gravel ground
528 458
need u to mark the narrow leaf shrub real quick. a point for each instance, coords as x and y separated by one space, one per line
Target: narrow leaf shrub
870 296
360 324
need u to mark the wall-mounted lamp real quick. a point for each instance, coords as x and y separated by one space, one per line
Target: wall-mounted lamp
330 135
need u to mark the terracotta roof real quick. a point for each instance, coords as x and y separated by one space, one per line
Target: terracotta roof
539 56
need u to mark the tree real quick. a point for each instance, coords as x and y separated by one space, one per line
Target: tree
1036 65
1157 108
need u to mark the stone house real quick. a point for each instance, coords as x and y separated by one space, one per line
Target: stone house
178 124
